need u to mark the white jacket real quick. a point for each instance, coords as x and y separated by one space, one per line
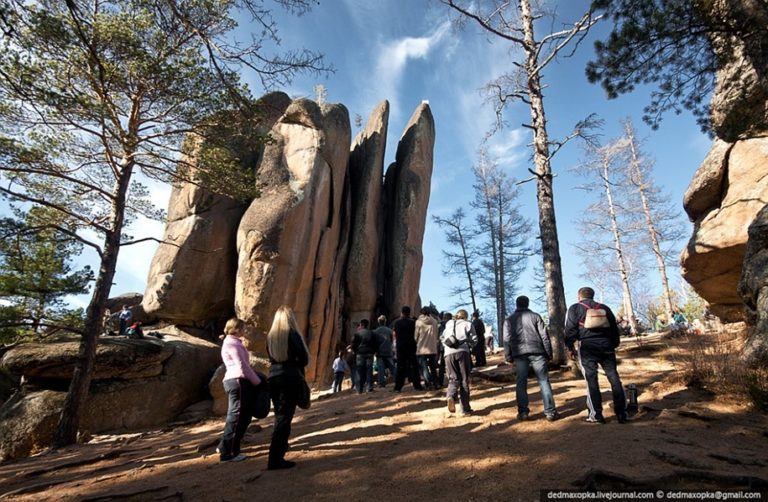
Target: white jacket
464 331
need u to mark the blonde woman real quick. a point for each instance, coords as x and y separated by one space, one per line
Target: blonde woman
236 361
457 360
289 355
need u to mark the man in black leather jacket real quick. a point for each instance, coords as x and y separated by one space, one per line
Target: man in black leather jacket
596 346
527 344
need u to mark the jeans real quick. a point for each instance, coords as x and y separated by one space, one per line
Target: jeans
428 368
284 391
385 363
589 358
457 366
237 420
338 378
539 364
364 372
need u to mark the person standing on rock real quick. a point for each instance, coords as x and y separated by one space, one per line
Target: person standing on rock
458 361
124 317
365 344
479 349
404 329
593 326
289 356
238 370
385 360
426 347
527 344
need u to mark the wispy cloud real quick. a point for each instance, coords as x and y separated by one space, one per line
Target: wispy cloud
391 61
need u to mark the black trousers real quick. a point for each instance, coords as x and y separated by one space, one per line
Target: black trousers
589 359
457 366
238 419
479 352
407 365
284 391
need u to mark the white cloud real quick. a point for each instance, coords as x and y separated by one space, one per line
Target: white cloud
510 148
391 62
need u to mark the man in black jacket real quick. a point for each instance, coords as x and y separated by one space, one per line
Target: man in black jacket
593 325
365 344
527 343
404 330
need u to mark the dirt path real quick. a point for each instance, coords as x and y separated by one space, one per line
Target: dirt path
407 447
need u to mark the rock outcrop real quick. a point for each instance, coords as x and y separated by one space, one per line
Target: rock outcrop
137 383
753 289
192 276
408 183
712 262
313 238
366 172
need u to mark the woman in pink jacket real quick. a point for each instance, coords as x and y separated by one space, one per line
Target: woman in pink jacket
235 357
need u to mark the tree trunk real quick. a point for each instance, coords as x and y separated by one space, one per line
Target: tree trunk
77 395
630 311
636 176
550 245
501 301
466 267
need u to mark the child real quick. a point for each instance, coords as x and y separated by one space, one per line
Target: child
339 368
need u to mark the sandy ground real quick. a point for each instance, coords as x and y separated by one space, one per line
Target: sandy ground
408 447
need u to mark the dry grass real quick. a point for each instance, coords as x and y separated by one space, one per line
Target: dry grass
711 361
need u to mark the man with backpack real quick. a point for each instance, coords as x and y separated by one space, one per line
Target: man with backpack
593 326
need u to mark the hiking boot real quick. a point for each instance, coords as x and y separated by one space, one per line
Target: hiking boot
466 413
237 458
623 419
451 405
522 416
596 420
552 417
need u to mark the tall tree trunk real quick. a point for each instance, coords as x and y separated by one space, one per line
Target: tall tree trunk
636 175
77 395
494 255
466 267
629 309
550 245
501 300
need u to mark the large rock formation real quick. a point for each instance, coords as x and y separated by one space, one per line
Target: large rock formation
753 288
293 242
723 199
408 183
198 249
137 383
366 172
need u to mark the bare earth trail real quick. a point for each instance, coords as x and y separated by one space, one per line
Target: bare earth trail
407 447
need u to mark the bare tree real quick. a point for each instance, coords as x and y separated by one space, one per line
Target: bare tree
463 259
602 165
513 21
502 232
638 175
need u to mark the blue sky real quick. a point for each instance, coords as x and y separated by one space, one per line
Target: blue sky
407 51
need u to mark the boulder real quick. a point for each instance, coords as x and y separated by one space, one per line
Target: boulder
753 288
116 358
198 249
366 170
288 241
124 398
408 183
712 261
706 189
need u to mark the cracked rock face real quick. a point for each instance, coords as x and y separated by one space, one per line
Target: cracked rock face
727 193
753 288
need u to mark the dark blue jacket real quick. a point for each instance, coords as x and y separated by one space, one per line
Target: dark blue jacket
603 338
